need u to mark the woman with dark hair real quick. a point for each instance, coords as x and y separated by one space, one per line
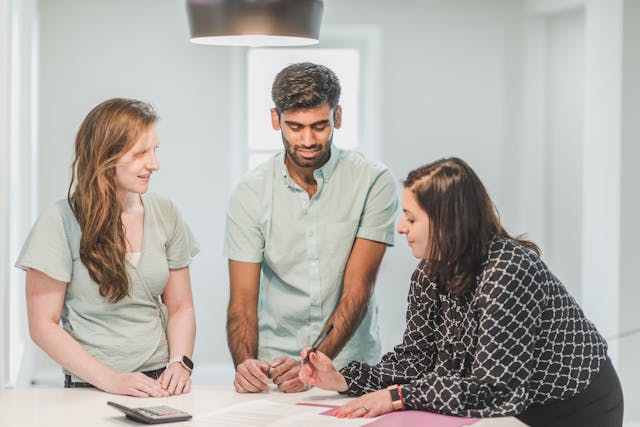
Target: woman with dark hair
112 263
491 332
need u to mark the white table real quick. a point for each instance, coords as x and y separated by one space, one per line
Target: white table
87 407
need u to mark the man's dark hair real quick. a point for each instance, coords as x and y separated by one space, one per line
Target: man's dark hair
305 85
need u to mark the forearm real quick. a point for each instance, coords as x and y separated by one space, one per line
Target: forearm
465 396
396 367
242 335
69 354
346 318
358 285
181 332
242 313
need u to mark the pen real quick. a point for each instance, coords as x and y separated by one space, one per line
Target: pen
317 342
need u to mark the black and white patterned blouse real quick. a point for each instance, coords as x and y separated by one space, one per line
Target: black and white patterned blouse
518 339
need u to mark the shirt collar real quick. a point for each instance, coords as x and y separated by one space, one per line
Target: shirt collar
323 172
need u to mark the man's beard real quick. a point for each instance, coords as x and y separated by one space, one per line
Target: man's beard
302 162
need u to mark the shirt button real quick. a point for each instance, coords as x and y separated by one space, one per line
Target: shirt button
315 299
316 326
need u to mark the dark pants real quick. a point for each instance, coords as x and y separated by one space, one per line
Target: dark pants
599 405
155 374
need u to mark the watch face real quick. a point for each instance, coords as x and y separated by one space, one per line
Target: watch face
187 362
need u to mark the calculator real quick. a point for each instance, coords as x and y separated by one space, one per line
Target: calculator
152 414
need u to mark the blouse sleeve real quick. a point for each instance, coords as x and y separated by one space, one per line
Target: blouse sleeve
509 304
47 247
415 354
181 245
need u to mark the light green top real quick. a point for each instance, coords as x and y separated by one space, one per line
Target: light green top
303 245
129 335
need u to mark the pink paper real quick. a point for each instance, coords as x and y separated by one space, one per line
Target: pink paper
408 418
420 418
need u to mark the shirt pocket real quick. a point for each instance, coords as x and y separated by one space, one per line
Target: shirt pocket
336 242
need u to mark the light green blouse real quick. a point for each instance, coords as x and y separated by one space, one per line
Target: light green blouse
129 335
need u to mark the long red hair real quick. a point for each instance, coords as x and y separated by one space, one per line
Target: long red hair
109 130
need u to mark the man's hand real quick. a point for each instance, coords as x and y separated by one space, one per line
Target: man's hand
284 373
251 376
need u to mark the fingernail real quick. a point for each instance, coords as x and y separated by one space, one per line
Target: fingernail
312 381
313 356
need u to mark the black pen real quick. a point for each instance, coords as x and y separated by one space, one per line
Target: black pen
317 342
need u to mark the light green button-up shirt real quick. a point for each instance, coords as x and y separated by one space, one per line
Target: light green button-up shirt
303 245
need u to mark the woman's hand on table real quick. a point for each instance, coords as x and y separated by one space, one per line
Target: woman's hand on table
367 406
175 379
133 384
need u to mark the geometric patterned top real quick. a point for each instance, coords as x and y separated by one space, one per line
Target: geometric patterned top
518 338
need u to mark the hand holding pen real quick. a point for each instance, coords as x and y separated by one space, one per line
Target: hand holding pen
317 368
317 342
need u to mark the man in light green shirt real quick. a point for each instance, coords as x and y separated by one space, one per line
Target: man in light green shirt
305 234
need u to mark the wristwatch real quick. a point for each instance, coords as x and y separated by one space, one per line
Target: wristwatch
396 397
184 361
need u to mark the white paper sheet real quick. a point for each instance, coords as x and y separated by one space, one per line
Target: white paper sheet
273 414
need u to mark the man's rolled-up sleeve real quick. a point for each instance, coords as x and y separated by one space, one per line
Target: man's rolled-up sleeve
243 239
377 221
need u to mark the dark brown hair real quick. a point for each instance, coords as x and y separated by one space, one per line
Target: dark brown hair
463 220
110 130
305 85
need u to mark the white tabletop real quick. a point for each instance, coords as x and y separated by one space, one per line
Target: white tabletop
87 407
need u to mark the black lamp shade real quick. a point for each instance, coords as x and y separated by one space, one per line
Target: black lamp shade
255 22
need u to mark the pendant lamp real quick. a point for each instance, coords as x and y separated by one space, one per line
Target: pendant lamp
255 22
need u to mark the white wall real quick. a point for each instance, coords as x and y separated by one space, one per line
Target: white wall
18 94
601 178
565 93
5 85
630 207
